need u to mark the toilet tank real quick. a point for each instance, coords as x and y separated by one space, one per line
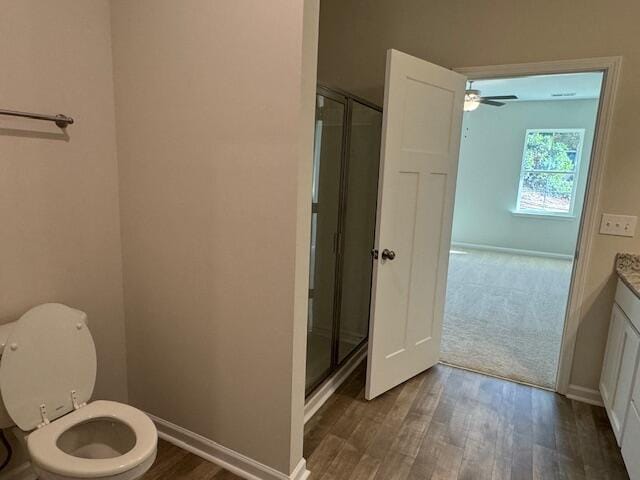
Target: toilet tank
5 419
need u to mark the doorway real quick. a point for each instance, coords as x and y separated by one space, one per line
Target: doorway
522 176
421 131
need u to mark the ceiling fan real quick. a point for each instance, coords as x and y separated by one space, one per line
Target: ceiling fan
473 99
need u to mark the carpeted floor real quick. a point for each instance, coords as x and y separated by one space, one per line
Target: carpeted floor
504 314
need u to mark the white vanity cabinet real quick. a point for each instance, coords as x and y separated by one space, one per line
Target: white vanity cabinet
631 440
612 356
619 368
620 380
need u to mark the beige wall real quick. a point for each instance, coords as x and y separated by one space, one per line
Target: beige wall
354 35
60 237
212 162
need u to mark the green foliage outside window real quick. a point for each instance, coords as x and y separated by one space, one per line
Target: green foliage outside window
549 168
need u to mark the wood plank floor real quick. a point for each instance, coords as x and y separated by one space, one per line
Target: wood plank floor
446 423
174 463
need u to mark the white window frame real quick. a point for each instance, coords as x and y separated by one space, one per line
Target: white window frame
547 213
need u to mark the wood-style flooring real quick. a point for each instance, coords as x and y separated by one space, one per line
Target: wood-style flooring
446 423
174 463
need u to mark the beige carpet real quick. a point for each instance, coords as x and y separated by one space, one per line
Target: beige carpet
504 314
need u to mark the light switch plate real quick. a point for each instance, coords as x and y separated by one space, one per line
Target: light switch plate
622 225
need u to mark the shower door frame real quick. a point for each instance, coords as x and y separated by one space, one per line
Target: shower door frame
347 100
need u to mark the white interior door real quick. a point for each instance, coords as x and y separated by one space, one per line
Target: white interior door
420 142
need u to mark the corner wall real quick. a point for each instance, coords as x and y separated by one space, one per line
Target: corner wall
60 234
212 98
354 37
489 176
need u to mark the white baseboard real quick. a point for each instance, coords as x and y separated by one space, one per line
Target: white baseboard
331 384
225 457
21 472
514 251
586 395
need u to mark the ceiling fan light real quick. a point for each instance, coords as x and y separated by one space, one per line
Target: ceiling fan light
471 102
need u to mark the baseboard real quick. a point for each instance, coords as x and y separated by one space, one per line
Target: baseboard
514 251
331 384
586 395
229 459
21 472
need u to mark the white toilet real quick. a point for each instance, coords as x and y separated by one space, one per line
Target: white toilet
47 375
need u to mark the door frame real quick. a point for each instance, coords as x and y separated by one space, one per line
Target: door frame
589 221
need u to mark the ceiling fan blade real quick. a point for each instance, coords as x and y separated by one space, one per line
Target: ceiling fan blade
491 102
501 97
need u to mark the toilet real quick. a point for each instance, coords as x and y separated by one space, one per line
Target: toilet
47 374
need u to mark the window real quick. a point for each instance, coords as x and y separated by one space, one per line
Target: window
549 172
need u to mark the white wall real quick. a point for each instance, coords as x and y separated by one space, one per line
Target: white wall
60 234
489 175
215 106
354 36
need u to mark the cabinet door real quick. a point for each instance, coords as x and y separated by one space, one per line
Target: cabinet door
612 356
635 394
631 443
628 361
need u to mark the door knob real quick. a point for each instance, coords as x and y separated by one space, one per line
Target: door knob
388 254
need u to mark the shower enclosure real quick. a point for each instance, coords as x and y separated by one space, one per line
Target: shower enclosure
344 196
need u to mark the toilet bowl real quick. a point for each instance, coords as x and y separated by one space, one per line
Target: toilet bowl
101 440
47 375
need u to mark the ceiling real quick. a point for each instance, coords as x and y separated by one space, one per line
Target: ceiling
570 86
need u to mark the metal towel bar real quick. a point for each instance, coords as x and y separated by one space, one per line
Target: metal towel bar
60 120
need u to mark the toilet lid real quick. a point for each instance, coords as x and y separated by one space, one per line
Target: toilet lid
49 354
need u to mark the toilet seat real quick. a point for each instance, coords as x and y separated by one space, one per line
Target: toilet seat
46 454
48 366
47 375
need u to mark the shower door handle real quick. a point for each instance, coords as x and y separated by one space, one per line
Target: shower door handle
388 254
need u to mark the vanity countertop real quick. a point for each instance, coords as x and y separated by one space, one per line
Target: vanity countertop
628 269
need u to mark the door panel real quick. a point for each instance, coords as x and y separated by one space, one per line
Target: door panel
327 165
628 362
612 357
420 143
359 226
631 443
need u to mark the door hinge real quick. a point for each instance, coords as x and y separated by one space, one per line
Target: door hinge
74 400
43 415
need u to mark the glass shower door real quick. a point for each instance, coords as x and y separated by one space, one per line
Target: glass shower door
358 231
344 198
327 165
